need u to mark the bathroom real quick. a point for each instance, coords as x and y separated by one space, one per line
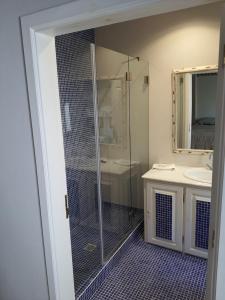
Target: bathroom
132 98
129 117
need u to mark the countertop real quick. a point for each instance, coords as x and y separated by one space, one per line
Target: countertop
174 176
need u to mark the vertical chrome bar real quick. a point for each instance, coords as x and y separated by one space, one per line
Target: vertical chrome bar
95 100
131 211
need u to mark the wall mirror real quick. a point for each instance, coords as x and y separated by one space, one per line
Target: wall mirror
194 103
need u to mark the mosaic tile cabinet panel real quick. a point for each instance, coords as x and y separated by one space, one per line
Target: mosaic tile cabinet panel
197 217
177 217
164 215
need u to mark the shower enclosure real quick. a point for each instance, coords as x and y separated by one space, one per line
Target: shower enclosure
104 109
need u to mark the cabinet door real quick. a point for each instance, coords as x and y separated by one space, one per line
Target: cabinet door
164 215
197 217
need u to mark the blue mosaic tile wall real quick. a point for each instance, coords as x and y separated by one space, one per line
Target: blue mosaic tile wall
77 110
164 215
202 224
76 94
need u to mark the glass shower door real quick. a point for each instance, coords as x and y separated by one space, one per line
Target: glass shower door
139 132
113 115
104 109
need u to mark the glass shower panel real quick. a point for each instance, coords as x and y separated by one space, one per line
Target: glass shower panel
113 114
75 77
139 132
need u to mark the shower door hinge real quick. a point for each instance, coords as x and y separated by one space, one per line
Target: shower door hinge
128 76
183 239
213 238
66 206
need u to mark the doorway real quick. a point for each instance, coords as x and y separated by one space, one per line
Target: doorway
44 41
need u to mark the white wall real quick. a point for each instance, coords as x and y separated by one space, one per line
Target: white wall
171 41
22 265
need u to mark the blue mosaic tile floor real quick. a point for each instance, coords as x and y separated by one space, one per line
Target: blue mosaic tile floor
116 226
149 272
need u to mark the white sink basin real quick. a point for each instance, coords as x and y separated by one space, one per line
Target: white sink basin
199 174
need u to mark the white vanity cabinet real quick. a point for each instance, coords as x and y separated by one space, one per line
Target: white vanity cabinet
177 212
164 215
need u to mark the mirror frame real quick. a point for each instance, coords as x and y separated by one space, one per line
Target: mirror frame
174 107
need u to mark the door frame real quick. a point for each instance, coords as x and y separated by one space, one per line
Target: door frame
216 261
38 32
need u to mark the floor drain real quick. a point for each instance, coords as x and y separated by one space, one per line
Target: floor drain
90 247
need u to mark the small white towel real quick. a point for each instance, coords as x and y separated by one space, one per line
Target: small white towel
163 167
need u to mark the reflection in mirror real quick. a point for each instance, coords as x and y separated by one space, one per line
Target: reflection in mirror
112 102
194 92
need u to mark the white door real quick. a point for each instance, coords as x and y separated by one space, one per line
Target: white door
196 221
216 270
164 215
